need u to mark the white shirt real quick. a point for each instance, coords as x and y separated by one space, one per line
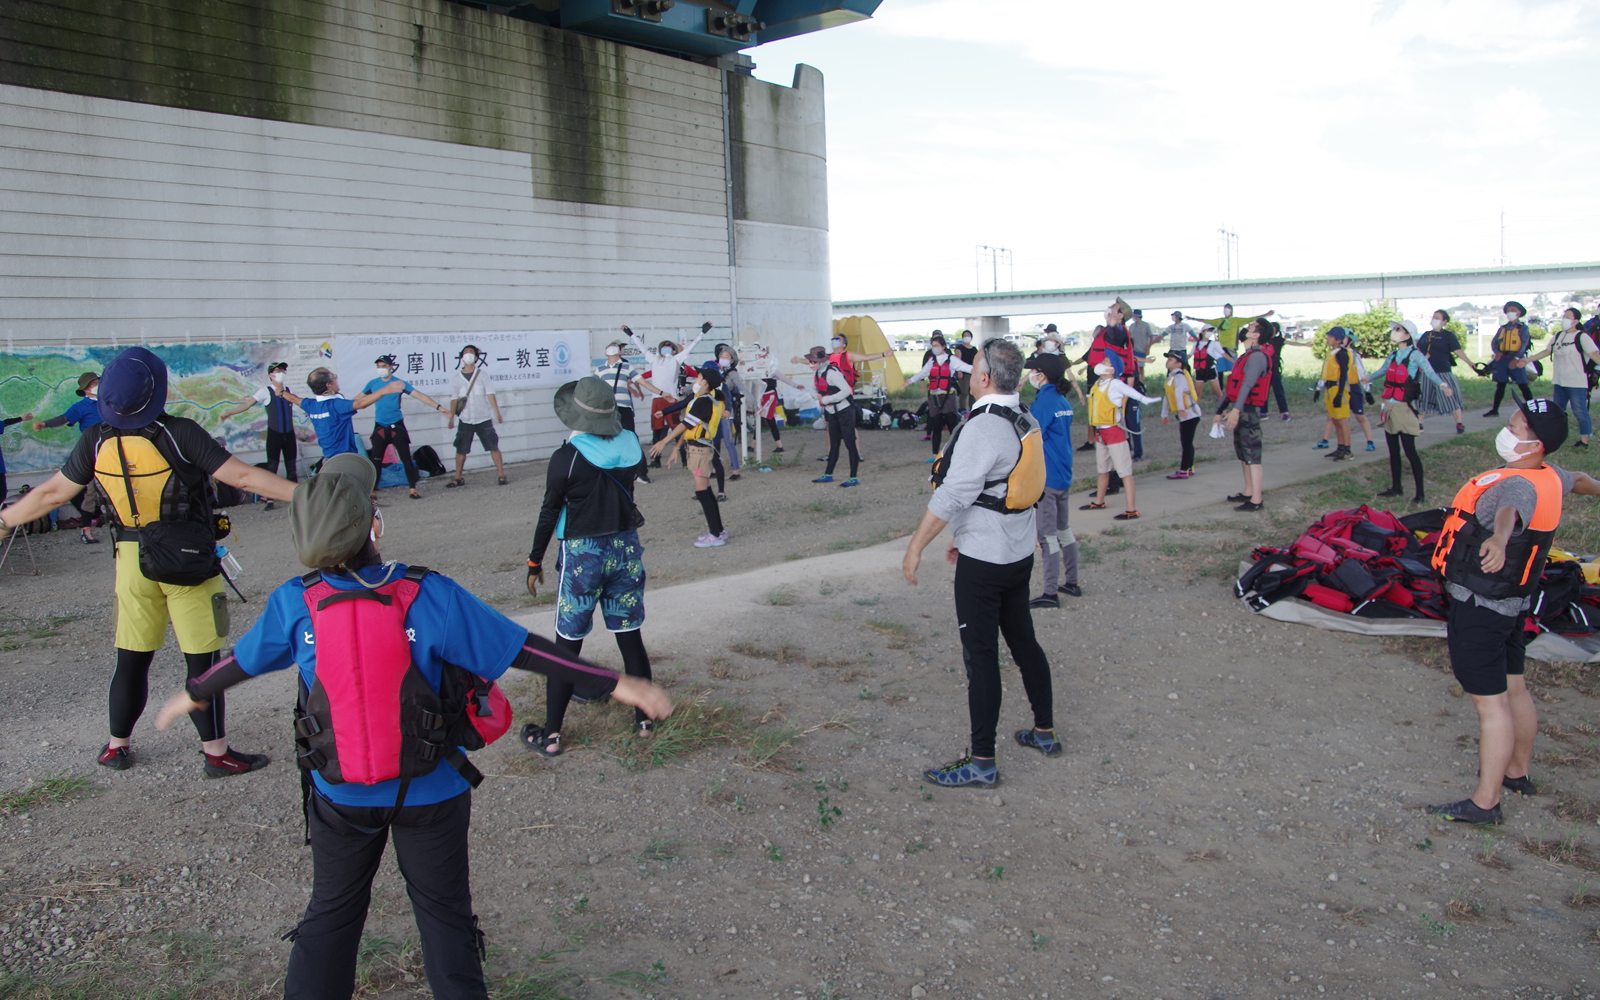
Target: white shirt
957 367
477 410
663 372
1564 359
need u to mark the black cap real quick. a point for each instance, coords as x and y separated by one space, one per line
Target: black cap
1514 304
1547 421
1051 365
712 374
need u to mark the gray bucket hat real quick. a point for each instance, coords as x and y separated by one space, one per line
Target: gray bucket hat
588 406
331 512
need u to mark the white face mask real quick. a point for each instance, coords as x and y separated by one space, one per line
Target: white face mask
92 393
469 358
1567 322
383 372
938 352
966 340
1512 319
666 352
276 376
1050 347
377 530
1507 444
613 351
1397 336
1438 324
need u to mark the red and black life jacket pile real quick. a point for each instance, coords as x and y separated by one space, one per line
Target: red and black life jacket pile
1372 564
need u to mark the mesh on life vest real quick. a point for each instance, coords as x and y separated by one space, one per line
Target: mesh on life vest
1025 481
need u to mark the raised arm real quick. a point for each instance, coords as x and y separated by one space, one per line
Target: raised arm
243 406
366 399
422 397
253 480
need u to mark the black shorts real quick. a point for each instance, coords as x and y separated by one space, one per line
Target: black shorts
1205 375
1485 647
485 432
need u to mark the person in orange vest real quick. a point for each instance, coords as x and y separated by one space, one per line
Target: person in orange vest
1491 552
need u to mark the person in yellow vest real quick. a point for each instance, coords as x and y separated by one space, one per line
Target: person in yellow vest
1109 432
701 418
155 469
1491 552
1339 384
1181 400
1510 343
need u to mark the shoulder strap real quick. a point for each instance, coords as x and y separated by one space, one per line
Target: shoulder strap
416 573
127 479
311 579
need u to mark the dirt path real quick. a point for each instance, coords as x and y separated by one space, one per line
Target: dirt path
1237 813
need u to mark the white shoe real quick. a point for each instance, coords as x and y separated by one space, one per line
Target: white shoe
709 541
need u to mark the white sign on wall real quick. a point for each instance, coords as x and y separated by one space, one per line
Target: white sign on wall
517 360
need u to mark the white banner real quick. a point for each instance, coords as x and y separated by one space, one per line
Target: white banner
429 361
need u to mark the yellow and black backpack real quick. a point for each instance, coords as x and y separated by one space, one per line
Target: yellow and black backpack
161 500
1025 482
706 431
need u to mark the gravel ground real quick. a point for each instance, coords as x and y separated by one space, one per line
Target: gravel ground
1238 812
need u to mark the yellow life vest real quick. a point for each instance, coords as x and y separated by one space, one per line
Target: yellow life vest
1025 481
706 431
1102 411
1176 400
1508 340
148 472
1330 368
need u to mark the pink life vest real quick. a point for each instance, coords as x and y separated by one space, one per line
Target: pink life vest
371 715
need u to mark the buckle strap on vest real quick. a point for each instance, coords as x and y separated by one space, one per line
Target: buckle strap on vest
463 766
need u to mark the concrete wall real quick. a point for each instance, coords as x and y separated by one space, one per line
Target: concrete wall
180 170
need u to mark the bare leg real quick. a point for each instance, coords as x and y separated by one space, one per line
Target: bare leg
1255 478
1366 428
1127 485
1341 429
499 464
461 463
1103 481
1497 744
1525 718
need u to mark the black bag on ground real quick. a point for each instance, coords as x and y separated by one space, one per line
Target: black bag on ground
1354 579
1380 608
427 460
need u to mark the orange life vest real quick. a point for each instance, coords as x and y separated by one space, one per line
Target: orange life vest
1457 555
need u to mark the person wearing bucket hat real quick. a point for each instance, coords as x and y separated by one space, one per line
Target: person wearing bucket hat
589 511
83 414
1510 344
390 626
166 570
1492 552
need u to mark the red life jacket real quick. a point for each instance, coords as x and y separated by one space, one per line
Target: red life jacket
940 377
1262 388
370 715
1203 361
1398 382
846 367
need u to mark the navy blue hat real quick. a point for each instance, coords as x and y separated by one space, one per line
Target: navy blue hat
1339 333
133 389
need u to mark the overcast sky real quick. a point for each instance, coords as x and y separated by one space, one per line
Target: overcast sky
1107 143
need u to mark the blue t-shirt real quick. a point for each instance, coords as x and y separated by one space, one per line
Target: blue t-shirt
85 413
387 409
444 616
332 419
1054 414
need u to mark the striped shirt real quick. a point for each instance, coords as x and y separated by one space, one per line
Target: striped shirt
618 376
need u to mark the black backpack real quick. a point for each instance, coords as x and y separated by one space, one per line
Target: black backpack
428 461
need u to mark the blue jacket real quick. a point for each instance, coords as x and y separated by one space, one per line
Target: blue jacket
332 419
1054 413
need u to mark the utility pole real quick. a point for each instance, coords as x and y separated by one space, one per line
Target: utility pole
1502 261
1228 254
994 256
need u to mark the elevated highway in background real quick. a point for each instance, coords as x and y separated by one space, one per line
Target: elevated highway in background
1207 297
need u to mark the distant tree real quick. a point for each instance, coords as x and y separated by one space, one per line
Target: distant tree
1370 329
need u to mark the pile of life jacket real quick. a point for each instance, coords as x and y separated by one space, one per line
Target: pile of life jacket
1373 564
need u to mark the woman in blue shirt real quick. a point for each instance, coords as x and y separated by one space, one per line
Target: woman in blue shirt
1053 412
336 531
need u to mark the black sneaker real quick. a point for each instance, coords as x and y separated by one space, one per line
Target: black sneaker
1493 413
1239 498
1250 507
1071 589
1466 811
1045 601
1522 786
1391 492
231 762
116 758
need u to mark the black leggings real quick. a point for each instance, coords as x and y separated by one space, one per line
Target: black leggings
708 506
1186 429
384 435
937 422
1500 392
1409 443
130 689
991 602
772 425
718 470
842 428
635 663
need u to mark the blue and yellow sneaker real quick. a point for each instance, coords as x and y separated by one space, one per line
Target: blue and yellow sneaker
1047 745
823 479
852 481
965 771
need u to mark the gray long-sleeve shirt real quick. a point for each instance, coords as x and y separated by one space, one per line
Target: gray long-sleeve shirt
988 449
1255 368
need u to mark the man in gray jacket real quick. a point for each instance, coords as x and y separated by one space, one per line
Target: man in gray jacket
993 556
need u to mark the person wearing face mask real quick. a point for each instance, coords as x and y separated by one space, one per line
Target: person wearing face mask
1571 383
166 572
1242 407
1108 431
280 423
331 415
770 376
839 407
1181 400
967 351
1510 344
733 394
389 427
1050 342
1058 547
83 414
1339 385
1442 349
941 370
624 381
1405 371
701 415
476 407
358 630
1109 338
1228 326
1491 553
664 374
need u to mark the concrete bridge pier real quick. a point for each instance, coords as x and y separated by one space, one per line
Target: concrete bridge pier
987 327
